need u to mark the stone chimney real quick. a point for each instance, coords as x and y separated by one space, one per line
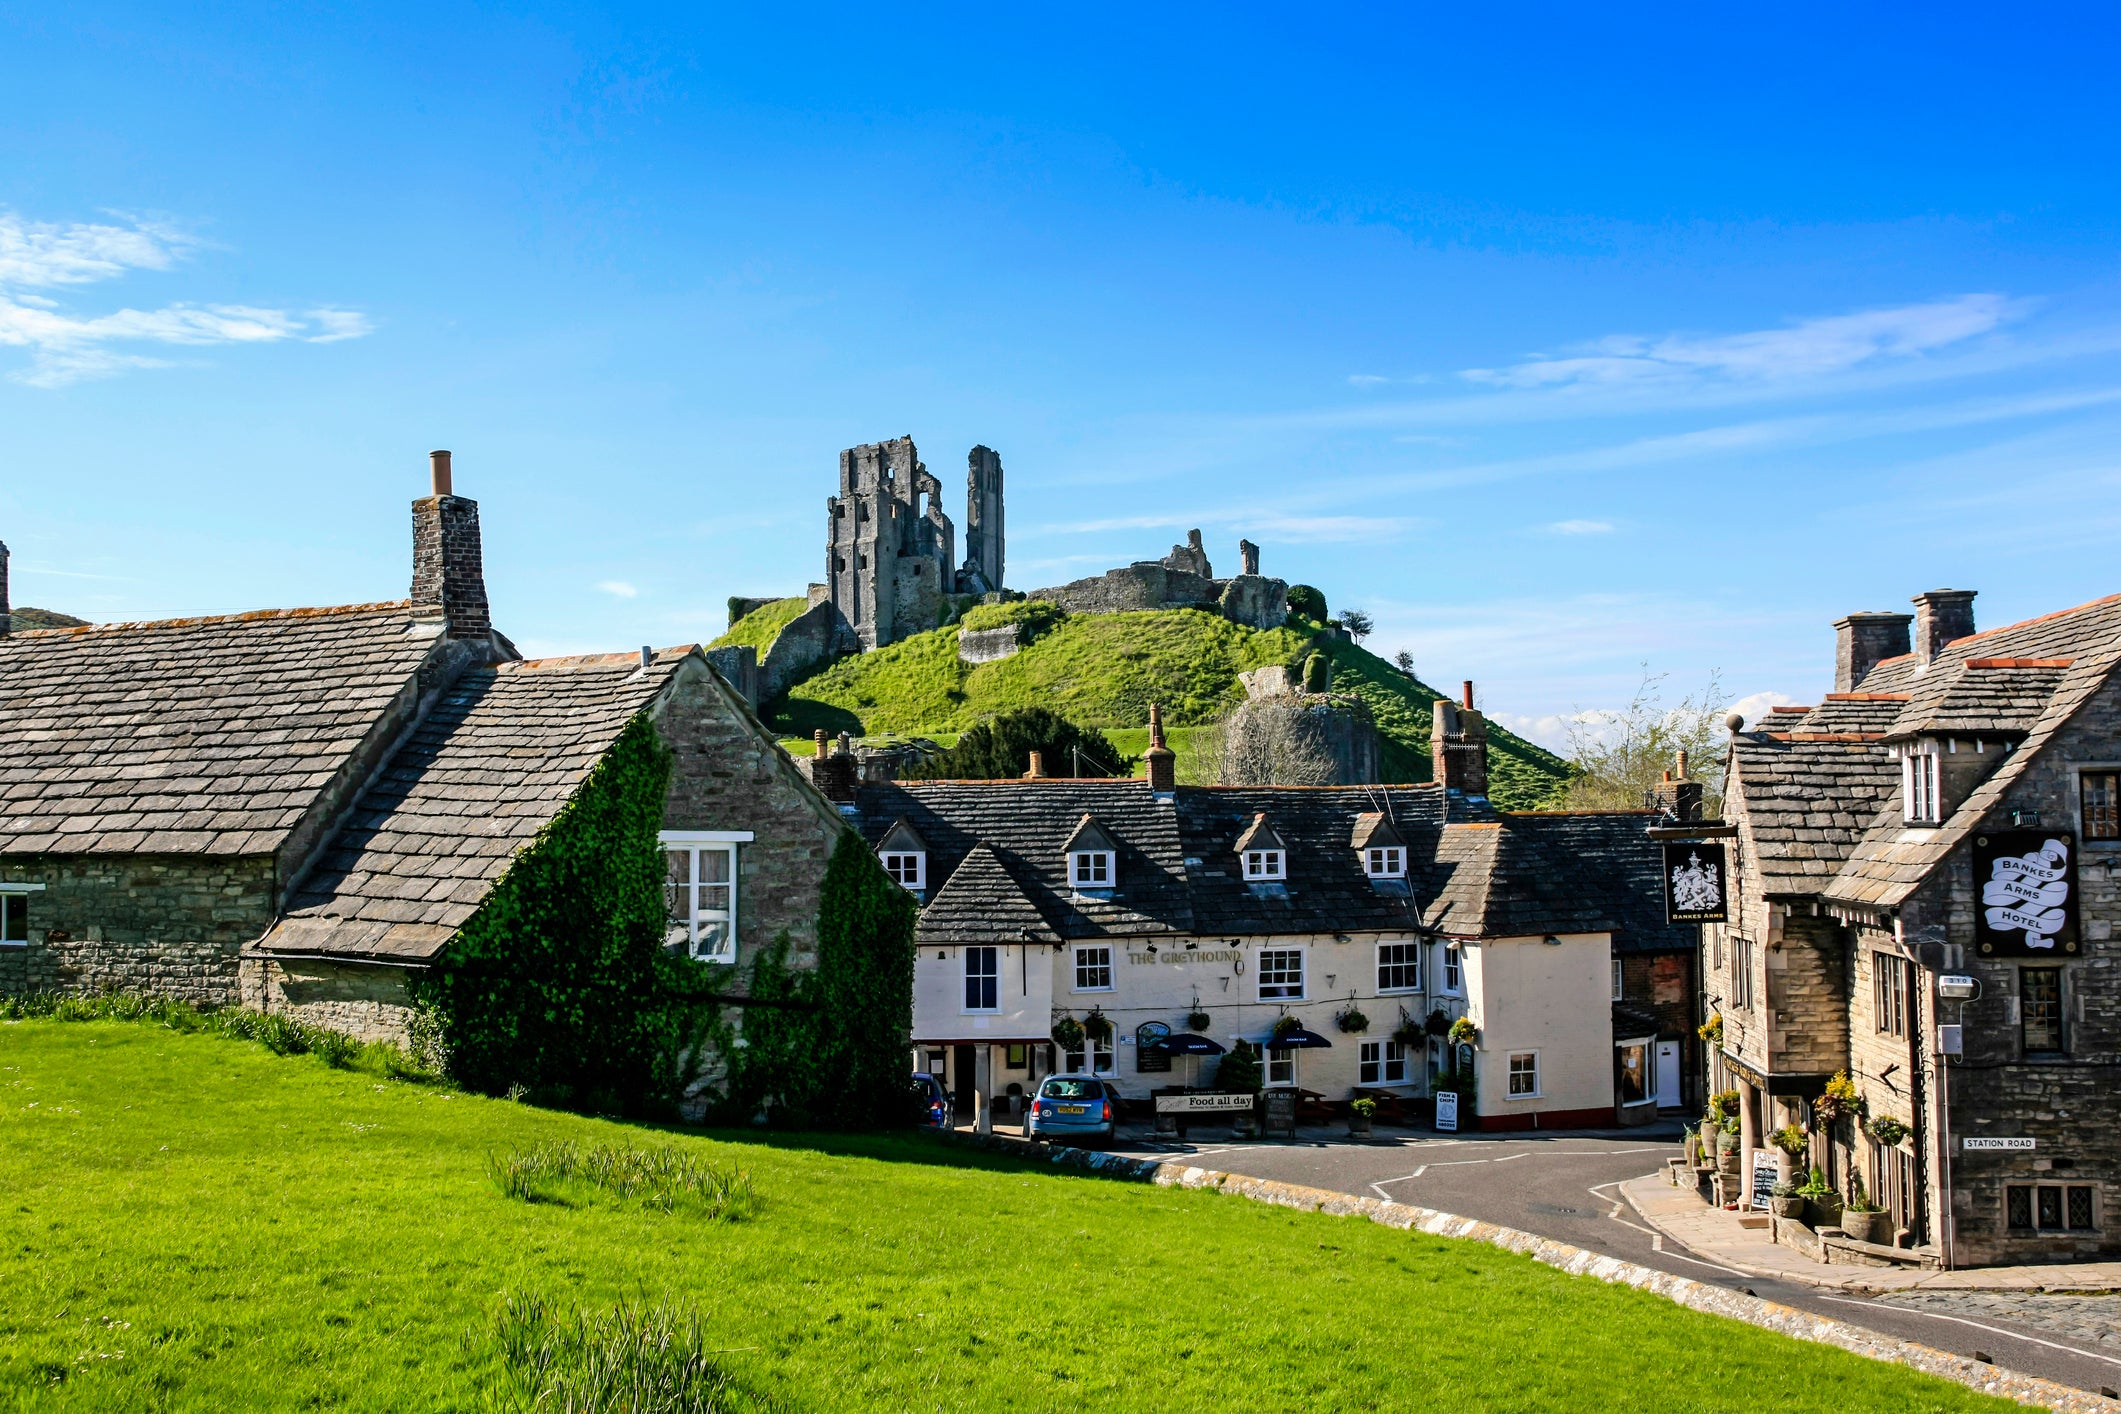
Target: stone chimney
1038 767
1676 796
833 770
448 568
1941 615
7 621
1458 746
1160 761
1862 641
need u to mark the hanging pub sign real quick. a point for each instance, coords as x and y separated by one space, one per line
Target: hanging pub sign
2028 883
1693 882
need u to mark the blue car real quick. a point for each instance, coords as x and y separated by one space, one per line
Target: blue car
930 1101
1074 1108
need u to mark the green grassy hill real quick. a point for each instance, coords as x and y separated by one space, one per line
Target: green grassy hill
1103 670
26 618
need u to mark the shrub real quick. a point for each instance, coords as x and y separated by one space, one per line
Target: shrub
1306 602
1318 673
1068 1034
1363 1108
1000 749
1239 1072
639 1358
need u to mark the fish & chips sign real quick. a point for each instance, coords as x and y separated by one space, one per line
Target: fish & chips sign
2028 883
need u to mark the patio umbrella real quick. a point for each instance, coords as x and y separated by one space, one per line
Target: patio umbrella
1297 1040
1185 1043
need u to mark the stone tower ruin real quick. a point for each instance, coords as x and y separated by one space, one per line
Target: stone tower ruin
891 554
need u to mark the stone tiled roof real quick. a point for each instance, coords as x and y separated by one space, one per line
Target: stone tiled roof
1178 868
1892 860
1988 697
191 736
1802 805
494 762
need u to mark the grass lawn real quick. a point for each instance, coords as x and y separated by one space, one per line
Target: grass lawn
194 1223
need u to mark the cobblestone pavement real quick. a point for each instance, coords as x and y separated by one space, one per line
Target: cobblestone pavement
2087 1320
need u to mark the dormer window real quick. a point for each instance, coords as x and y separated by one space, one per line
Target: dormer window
1918 779
1379 846
1093 859
1264 864
1262 851
904 855
1385 862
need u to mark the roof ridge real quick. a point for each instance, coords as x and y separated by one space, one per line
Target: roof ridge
2037 619
596 660
247 616
1993 663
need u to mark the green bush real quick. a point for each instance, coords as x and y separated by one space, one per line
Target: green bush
1001 750
1239 1072
1033 617
1306 602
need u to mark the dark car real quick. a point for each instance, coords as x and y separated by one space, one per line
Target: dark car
1074 1107
931 1103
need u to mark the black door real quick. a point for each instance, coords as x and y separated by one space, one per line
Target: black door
963 1077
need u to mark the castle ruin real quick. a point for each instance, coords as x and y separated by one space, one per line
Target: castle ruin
891 555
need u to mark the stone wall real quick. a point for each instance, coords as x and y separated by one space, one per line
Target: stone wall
14 969
1146 585
1256 601
988 645
1806 996
815 636
370 1003
739 666
170 925
728 774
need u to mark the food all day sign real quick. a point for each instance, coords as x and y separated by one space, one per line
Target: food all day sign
2028 883
1694 883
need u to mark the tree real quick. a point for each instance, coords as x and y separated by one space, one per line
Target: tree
1404 661
1308 603
1616 757
1001 749
1356 622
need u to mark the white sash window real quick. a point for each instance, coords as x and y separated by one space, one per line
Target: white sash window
700 891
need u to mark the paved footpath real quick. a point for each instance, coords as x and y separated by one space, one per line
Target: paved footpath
1605 1192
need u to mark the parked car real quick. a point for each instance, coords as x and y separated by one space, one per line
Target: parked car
1074 1107
931 1102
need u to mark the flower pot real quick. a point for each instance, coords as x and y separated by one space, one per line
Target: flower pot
1785 1168
1823 1212
1790 1207
1711 1130
1358 1127
1865 1227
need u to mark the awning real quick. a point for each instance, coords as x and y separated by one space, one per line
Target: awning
1185 1043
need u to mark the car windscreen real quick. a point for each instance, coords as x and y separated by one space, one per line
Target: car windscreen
1072 1090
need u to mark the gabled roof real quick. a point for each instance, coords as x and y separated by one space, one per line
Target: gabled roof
1260 834
1088 839
983 903
1539 872
1802 805
1999 697
194 736
1374 827
901 838
491 766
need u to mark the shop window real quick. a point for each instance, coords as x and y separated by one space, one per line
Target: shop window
983 979
1454 980
1093 969
1399 967
2099 795
1281 974
2040 1010
1101 1056
1072 1062
1091 869
2050 1207
908 871
1385 862
1524 1075
1281 1065
14 918
699 893
1889 983
1263 864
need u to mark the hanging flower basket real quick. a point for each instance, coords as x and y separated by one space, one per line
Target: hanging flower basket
1409 1032
1839 1101
1098 1027
1711 1030
1887 1130
1068 1034
1352 1021
1282 1028
1439 1022
1463 1032
1199 1021
1790 1140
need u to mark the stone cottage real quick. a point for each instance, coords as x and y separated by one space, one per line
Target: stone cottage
1923 895
300 808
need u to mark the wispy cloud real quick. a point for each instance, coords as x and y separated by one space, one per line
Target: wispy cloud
66 347
1805 349
619 589
1581 527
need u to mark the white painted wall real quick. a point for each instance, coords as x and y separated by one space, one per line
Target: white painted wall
1554 999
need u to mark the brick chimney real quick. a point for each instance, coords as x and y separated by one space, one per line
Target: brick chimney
1862 641
1941 615
1038 767
1458 746
1160 761
7 621
1675 795
833 770
448 568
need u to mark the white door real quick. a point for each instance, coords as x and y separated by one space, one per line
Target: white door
1668 1087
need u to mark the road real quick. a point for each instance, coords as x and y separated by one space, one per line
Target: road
1565 1186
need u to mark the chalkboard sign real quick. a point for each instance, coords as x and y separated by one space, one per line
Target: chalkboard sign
1447 1111
1150 1057
1766 1173
1280 1119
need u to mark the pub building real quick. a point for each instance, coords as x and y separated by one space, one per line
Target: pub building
1361 920
1926 875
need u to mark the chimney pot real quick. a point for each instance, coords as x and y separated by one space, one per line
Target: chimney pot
438 463
448 566
1159 760
7 621
1682 763
1468 694
647 655
1038 767
818 739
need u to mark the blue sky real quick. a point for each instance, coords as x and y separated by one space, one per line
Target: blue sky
1558 342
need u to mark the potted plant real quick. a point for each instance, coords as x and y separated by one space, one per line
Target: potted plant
1409 1032
1838 1101
1784 1201
1722 1105
1711 1030
1439 1023
1463 1032
1097 1026
1068 1034
1862 1219
1887 1130
1727 1147
1198 1021
1352 1021
1360 1113
1822 1205
1793 1142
